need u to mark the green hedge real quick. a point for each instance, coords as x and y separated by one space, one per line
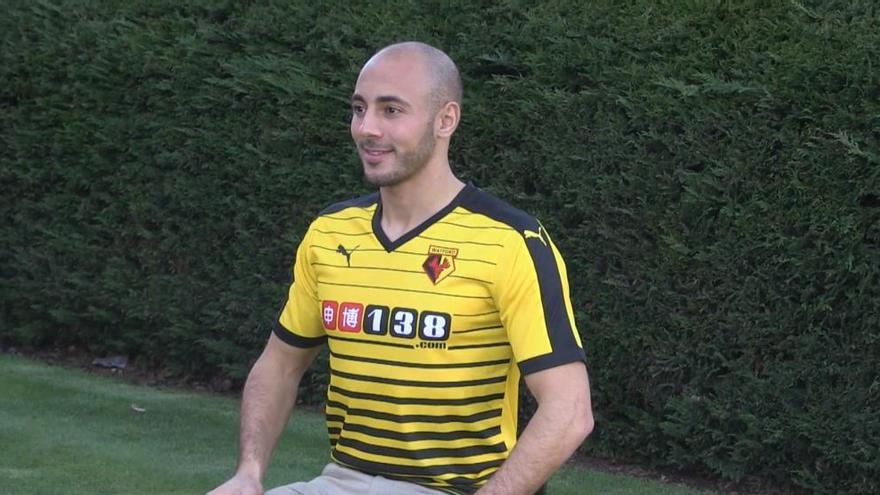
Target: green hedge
710 170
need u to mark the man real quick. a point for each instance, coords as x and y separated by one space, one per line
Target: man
434 298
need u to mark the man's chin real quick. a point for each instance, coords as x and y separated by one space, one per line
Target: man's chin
383 180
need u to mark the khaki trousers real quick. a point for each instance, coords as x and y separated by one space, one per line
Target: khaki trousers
339 480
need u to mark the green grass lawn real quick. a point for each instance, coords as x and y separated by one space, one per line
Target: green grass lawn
66 431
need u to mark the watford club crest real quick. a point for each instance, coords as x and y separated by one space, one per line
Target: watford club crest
440 263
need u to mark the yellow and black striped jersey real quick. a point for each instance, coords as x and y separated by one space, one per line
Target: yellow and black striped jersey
429 334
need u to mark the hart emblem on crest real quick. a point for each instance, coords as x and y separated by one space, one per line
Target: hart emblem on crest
440 263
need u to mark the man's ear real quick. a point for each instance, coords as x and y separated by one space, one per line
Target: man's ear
447 120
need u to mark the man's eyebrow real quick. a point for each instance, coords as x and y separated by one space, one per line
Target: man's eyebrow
392 99
381 99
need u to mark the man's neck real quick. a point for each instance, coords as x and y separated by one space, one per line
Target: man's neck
406 205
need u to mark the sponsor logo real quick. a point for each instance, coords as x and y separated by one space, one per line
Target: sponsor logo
432 328
350 315
440 263
329 314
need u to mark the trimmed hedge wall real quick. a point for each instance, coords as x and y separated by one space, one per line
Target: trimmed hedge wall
710 170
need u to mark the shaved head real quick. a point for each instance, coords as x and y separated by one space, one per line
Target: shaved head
405 107
445 79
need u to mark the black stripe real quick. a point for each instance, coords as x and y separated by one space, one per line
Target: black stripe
476 261
377 268
415 400
363 359
478 346
450 241
557 358
371 342
483 203
410 253
416 436
342 233
477 329
413 383
556 315
462 277
362 202
478 314
328 264
413 253
425 471
339 405
397 270
348 218
421 454
358 250
413 418
290 338
394 289
485 227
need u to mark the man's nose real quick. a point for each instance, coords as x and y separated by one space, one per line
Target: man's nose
367 125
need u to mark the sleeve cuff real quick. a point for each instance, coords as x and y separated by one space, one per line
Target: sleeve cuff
558 358
290 338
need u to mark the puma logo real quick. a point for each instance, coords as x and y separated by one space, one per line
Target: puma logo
341 250
531 234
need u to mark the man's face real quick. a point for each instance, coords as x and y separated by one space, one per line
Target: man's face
392 122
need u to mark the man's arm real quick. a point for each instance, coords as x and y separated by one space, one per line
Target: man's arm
563 420
267 401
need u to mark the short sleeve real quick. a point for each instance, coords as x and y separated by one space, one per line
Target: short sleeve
299 323
532 296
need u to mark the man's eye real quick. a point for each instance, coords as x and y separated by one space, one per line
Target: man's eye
392 110
357 109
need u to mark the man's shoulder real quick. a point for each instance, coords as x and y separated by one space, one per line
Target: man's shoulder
361 202
487 204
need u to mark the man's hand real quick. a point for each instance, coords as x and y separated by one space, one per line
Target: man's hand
239 485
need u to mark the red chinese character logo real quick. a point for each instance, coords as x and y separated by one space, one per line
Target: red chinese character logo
350 316
330 313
